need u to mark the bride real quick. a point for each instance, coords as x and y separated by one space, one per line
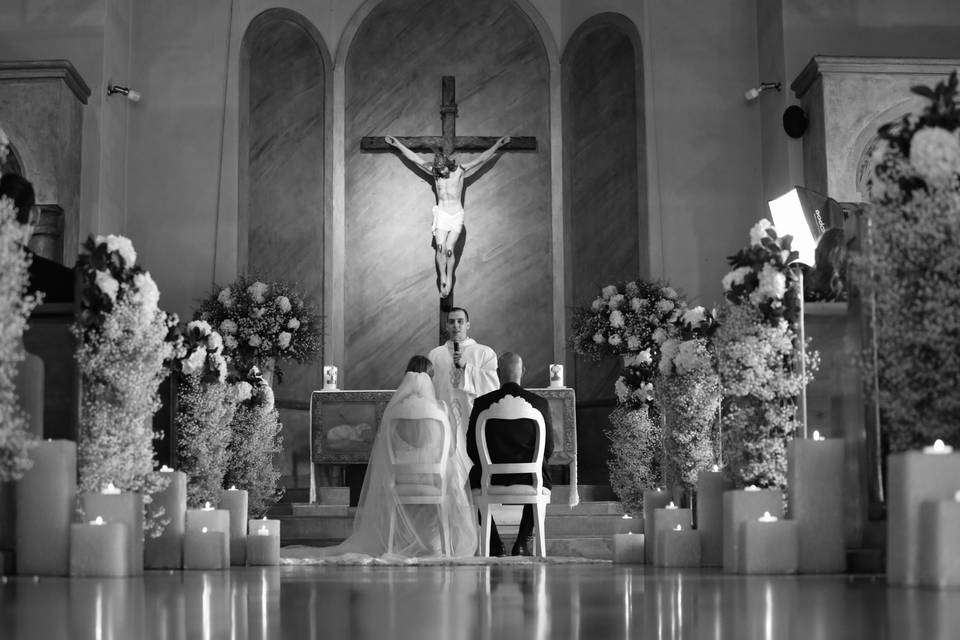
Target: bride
419 422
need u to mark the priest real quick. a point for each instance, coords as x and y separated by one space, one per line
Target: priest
465 369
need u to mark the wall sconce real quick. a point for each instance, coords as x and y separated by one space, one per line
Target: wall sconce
754 93
132 95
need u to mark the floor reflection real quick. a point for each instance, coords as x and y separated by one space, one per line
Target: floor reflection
492 602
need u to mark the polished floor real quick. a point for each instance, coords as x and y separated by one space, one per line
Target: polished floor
497 602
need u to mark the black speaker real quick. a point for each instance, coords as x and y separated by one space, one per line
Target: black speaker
795 121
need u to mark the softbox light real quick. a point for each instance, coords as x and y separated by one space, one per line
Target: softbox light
805 215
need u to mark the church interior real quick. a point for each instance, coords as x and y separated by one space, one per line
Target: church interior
232 138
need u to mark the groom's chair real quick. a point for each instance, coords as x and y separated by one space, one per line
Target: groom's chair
419 482
511 408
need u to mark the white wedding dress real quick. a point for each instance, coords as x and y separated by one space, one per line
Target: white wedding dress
418 438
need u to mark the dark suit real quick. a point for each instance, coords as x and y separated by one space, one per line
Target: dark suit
56 281
510 441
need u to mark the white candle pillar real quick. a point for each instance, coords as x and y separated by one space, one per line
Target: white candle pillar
166 550
815 470
99 549
938 562
263 548
710 488
652 500
235 501
740 506
46 498
628 548
125 507
768 545
667 519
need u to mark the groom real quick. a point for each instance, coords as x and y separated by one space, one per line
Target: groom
511 441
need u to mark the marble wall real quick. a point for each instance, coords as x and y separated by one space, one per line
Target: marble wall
393 78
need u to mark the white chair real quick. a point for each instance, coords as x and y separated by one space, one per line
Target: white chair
511 408
407 484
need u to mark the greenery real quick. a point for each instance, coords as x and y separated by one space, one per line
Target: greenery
263 324
911 266
636 449
15 308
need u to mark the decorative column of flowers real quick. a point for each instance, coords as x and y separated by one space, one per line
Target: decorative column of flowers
254 440
205 406
122 339
687 394
757 351
263 324
15 308
622 321
911 266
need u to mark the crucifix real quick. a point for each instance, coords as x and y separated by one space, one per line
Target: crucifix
449 234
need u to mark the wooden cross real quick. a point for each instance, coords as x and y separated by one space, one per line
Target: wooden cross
449 142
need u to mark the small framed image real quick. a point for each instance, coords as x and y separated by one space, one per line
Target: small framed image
343 425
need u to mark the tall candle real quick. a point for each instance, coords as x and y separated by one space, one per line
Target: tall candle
710 488
768 545
741 506
938 560
652 500
235 501
166 550
628 548
213 520
263 549
206 549
46 497
125 507
254 525
678 546
815 490
912 478
29 387
99 549
667 519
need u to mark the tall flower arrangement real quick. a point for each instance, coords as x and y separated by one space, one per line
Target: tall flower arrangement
206 402
15 308
255 438
630 321
687 393
123 342
757 349
262 324
911 266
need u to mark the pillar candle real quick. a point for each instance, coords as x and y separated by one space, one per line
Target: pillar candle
29 386
235 501
710 488
651 500
206 549
739 506
99 550
628 548
166 550
678 547
938 562
212 519
263 549
768 547
667 519
815 471
46 497
912 478
125 507
273 526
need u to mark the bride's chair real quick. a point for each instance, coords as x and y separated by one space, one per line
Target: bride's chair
511 408
422 483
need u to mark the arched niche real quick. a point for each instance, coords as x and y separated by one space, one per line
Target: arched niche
392 83
284 184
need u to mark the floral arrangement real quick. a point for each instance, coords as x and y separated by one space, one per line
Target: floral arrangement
255 438
123 343
636 454
757 354
205 406
15 308
687 394
263 323
911 267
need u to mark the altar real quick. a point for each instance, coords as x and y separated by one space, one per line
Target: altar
343 425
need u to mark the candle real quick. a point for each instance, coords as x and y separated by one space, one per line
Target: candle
938 560
913 478
678 547
272 526
126 508
110 490
710 488
740 507
166 550
628 548
29 384
235 501
205 548
652 500
329 378
263 549
815 493
938 448
768 545
45 501
556 375
99 549
214 520
817 436
665 520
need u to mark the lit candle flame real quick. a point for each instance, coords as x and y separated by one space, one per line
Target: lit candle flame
627 516
671 505
766 517
207 507
99 521
715 468
678 528
939 447
203 530
752 488
109 489
263 531
233 487
165 469
817 436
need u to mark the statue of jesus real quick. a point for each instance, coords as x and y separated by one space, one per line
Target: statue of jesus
448 178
